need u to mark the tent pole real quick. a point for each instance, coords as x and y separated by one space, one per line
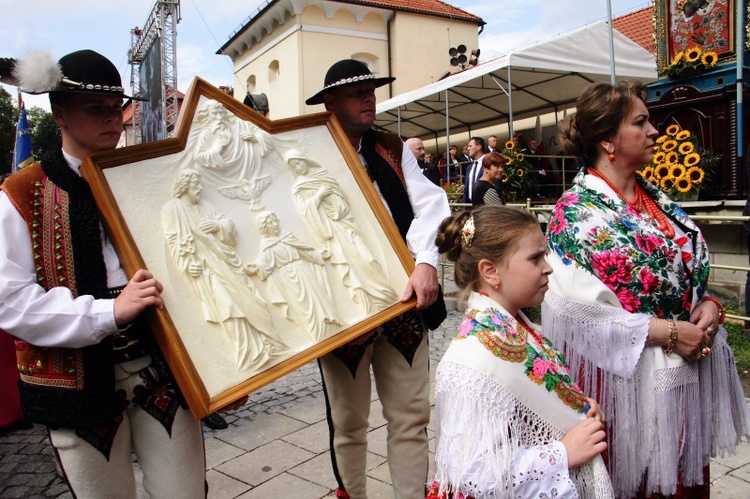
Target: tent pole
399 121
740 30
447 139
510 102
611 43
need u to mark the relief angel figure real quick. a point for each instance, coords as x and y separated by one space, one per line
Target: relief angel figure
201 241
296 277
325 208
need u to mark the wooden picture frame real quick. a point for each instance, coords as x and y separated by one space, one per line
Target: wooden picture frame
224 280
683 24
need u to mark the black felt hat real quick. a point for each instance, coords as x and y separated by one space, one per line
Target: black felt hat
346 72
84 72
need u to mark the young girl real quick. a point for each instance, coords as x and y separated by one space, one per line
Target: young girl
510 421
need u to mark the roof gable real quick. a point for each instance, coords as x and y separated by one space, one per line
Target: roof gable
638 26
429 7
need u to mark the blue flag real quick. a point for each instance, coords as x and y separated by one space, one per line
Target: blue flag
22 156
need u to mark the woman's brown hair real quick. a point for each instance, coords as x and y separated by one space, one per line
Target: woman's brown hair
494 158
496 231
599 111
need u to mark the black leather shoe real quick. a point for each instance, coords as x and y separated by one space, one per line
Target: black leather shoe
215 421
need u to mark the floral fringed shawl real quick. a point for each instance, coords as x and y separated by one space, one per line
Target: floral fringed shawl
504 399
613 270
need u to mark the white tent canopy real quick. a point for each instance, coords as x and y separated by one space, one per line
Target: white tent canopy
543 77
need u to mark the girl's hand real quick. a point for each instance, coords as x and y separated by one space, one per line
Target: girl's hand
595 411
584 442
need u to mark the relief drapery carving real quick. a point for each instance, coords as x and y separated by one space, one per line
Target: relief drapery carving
325 208
201 241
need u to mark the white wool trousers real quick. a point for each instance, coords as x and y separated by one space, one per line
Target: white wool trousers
404 392
172 466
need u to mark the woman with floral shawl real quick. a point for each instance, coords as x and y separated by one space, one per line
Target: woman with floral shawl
628 305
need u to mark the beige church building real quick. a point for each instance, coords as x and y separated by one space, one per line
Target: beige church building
286 47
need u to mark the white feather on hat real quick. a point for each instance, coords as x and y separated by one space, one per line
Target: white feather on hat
38 72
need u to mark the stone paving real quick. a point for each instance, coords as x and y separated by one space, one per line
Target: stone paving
277 446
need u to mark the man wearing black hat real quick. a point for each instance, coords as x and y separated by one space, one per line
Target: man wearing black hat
90 370
398 350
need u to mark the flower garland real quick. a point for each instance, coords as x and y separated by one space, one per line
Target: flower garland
516 173
694 58
680 166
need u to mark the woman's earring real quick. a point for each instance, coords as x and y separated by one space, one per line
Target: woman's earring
612 157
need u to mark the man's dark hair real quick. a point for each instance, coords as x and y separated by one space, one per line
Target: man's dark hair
479 141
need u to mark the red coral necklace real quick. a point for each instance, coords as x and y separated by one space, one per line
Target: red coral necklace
641 202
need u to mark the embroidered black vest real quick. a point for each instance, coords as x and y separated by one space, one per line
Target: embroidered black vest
63 387
382 152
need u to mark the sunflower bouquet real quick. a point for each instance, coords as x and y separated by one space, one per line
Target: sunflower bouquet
680 166
516 173
690 61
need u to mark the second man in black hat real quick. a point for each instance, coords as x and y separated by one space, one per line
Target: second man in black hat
397 351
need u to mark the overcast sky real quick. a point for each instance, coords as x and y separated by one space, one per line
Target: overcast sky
105 25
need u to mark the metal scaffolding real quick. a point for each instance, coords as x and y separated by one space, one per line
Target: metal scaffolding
160 27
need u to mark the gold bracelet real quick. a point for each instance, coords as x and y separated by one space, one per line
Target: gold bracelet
672 343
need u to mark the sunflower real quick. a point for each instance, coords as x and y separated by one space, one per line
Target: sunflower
686 148
672 130
684 134
519 156
647 174
678 57
683 184
695 175
691 159
661 139
505 178
520 172
693 54
671 157
510 144
508 160
661 171
669 145
660 157
676 170
667 183
709 58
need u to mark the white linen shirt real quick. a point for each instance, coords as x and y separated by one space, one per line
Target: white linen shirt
49 318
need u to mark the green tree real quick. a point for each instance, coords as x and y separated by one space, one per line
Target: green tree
46 135
8 117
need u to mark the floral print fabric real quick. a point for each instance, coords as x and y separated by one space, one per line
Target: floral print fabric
510 340
593 228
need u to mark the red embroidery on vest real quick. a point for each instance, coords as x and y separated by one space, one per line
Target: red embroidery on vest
391 160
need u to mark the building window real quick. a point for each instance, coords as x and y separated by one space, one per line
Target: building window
273 71
250 84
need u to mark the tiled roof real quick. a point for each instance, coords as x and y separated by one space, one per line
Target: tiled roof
638 26
433 7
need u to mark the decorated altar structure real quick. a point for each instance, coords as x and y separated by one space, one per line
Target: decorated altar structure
702 56
698 50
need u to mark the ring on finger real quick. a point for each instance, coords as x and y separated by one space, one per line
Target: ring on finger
705 351
698 356
710 330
